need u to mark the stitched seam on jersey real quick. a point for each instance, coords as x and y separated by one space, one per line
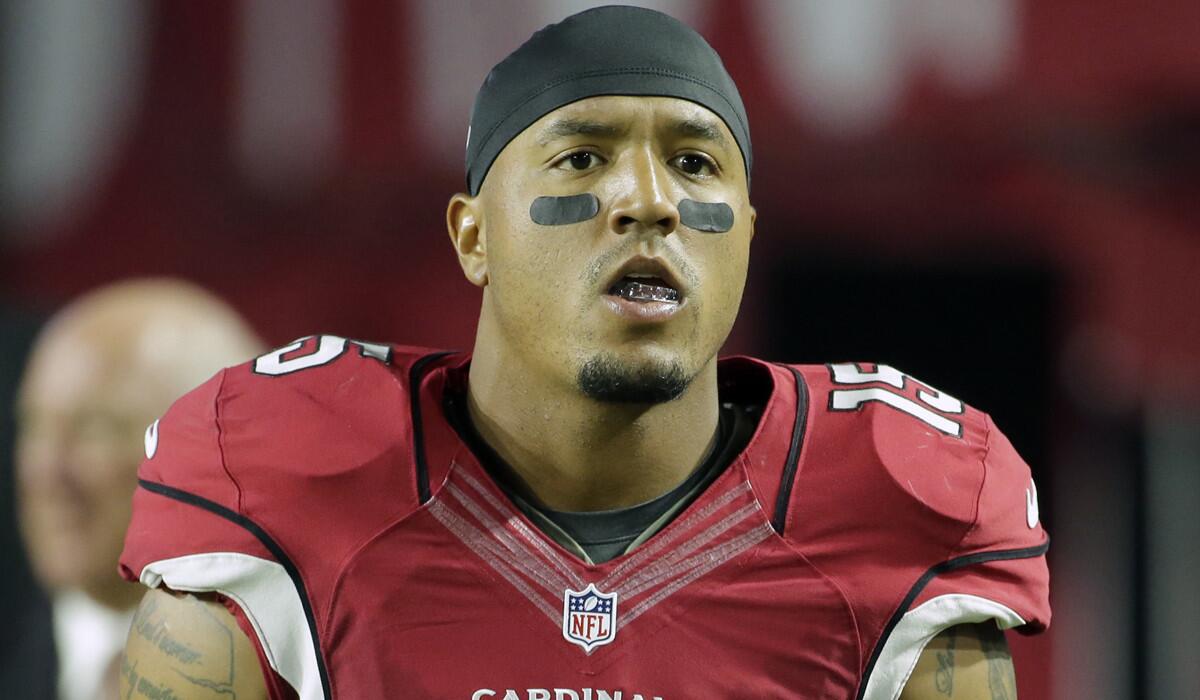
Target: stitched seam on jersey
354 551
336 589
849 607
221 439
930 574
983 462
264 538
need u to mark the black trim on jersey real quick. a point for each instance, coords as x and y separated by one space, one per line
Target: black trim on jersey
793 457
415 374
272 546
933 572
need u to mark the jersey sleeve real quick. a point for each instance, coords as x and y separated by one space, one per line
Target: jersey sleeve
1001 559
185 502
944 529
998 572
187 533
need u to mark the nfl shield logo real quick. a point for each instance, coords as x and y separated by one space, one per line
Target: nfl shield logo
589 617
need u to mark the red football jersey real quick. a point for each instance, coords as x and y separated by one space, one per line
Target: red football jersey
322 491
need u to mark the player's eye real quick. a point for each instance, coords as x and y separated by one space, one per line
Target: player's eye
695 164
578 160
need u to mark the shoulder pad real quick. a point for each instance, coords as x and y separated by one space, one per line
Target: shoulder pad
320 409
318 431
922 445
922 456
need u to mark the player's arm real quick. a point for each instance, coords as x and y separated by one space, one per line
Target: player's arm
965 662
188 648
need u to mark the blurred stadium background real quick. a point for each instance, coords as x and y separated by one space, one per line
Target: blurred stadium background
1001 197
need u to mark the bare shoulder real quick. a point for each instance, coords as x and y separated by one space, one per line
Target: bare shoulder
184 647
965 662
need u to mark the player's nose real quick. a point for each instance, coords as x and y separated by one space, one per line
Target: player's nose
643 202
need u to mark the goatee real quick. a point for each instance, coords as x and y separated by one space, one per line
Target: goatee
604 378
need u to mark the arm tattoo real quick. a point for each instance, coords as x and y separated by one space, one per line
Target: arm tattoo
218 688
129 671
154 691
151 628
210 666
944 676
228 643
1002 681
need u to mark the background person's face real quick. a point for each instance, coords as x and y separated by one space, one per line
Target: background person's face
548 286
79 443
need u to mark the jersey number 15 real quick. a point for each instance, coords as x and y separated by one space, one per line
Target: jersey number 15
930 407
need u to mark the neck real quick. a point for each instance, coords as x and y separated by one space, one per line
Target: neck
578 454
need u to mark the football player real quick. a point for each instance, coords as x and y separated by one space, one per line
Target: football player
590 505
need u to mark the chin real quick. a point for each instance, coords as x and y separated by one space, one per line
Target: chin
646 380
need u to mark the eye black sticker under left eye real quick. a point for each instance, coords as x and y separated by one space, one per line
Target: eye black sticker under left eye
560 211
709 217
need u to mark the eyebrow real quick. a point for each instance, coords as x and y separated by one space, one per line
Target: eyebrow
702 129
564 128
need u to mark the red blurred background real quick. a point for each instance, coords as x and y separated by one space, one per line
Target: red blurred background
1001 197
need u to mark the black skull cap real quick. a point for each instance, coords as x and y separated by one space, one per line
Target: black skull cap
610 50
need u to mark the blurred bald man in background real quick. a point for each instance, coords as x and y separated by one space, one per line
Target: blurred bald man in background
101 371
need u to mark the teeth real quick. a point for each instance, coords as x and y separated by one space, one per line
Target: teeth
636 291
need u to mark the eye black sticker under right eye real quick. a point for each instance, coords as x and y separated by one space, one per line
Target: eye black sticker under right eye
560 211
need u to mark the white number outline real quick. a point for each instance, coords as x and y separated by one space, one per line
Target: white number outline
850 373
329 348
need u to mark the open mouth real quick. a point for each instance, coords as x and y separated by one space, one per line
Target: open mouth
649 281
644 289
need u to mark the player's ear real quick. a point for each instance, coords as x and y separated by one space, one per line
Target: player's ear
753 220
465 226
